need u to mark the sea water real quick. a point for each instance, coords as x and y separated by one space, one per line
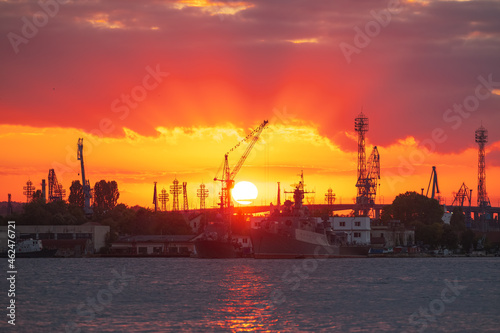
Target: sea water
246 295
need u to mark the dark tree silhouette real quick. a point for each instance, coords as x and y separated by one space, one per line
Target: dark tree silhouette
76 196
105 195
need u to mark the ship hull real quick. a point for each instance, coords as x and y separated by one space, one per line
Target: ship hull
215 249
44 253
267 245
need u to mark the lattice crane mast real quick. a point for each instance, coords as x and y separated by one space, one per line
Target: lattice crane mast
228 175
85 182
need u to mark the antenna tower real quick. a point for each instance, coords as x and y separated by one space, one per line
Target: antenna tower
185 197
481 139
202 194
330 197
163 199
175 190
29 190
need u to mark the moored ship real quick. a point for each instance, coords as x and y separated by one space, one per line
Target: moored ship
293 233
216 242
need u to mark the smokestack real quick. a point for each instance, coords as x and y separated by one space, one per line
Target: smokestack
44 196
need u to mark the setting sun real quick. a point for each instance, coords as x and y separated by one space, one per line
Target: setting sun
244 192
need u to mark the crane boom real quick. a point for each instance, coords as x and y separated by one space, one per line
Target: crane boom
228 175
85 182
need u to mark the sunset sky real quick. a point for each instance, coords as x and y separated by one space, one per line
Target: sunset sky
163 89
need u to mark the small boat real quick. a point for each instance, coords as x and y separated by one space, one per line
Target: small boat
31 248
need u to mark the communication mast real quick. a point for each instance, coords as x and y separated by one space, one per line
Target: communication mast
175 190
361 127
185 196
29 190
87 195
202 194
330 197
56 192
163 199
481 139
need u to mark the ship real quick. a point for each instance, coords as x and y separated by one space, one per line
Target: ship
30 248
292 233
216 242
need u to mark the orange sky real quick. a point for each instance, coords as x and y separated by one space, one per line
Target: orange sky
171 86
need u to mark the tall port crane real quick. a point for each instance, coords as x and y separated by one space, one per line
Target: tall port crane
85 182
435 185
228 175
367 186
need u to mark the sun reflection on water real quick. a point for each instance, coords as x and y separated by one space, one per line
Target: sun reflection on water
244 304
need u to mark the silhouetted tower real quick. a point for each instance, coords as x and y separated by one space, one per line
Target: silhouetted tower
87 193
481 140
185 196
462 194
330 197
44 191
29 190
202 194
175 190
56 192
9 204
278 198
155 198
361 126
435 186
163 199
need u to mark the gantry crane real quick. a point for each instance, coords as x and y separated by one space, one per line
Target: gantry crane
85 182
228 175
367 186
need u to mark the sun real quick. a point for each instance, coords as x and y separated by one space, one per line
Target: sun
244 193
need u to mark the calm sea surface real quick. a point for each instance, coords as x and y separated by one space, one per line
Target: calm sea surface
244 295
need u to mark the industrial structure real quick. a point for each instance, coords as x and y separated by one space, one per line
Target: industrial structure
29 190
228 175
481 137
464 193
185 196
155 198
87 195
435 185
44 191
278 197
163 199
367 177
330 197
9 204
56 191
175 190
202 193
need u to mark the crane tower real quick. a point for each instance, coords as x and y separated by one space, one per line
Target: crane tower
56 192
368 176
85 182
228 175
481 139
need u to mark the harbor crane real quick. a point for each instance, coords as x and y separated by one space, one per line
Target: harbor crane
85 182
367 186
435 186
228 175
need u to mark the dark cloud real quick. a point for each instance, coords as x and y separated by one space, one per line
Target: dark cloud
239 68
